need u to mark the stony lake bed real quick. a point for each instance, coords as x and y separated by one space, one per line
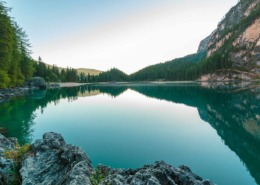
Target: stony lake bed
213 129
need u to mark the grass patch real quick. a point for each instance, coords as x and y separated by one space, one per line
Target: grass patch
98 176
17 156
18 153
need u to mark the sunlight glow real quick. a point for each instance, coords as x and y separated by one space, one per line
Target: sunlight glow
128 35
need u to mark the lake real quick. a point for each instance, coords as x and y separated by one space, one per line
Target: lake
213 129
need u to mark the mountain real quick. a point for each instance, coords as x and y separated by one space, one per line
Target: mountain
204 44
236 39
112 75
184 68
230 52
87 71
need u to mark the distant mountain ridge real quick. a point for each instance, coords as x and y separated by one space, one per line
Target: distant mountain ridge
86 71
177 69
230 52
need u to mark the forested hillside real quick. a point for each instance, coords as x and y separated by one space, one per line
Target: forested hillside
113 75
231 52
53 73
16 65
185 68
237 41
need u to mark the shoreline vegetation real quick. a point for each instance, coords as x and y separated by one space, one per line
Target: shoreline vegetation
234 109
7 94
17 65
225 60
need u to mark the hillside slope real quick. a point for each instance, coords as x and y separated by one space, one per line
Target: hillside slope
237 39
87 71
230 52
184 68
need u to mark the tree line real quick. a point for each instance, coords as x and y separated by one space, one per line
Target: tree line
54 73
16 65
187 68
192 67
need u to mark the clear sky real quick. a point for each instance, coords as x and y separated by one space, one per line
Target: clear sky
126 34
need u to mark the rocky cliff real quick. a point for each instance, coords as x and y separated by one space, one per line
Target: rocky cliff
204 44
237 39
51 161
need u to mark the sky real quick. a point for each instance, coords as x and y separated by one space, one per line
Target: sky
126 34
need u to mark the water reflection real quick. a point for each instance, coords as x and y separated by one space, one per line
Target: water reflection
233 111
18 114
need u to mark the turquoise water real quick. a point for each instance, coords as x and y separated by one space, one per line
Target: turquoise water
215 131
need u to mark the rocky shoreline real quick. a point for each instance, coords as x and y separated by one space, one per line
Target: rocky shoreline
51 161
6 94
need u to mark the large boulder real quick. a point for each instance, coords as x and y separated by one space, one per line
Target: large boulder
37 82
52 161
158 173
55 162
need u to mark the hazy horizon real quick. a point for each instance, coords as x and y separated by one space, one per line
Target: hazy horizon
128 35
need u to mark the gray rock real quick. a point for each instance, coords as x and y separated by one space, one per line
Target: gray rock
37 82
233 31
7 166
158 173
52 161
55 162
6 94
7 143
203 46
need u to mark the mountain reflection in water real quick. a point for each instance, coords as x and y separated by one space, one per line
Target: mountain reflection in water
233 111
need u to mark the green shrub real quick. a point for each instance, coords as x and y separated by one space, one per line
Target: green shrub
17 155
98 176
